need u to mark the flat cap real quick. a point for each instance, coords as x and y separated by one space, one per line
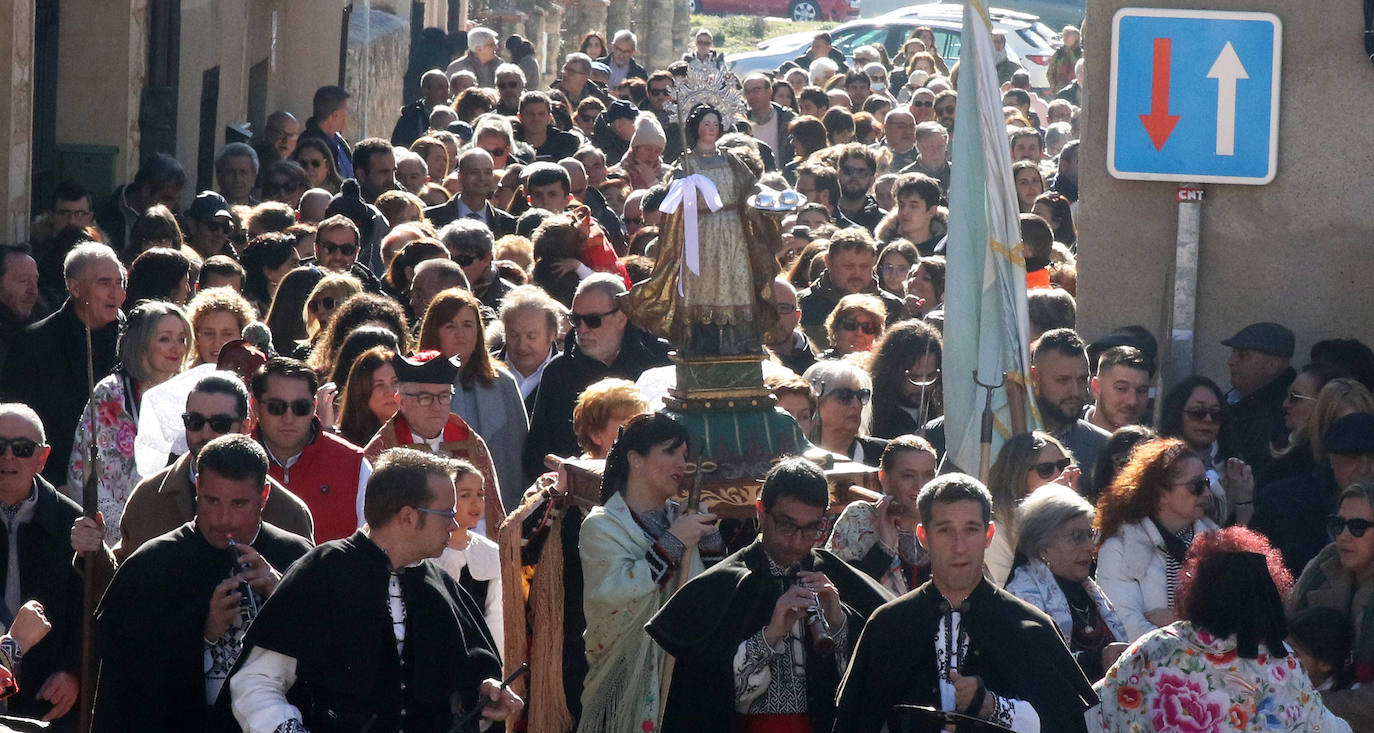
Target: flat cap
1270 338
1353 433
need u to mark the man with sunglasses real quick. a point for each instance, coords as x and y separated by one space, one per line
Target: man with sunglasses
208 224
1061 384
857 167
38 567
657 87
216 406
366 633
1292 512
173 619
336 244
470 244
325 471
744 633
603 343
426 422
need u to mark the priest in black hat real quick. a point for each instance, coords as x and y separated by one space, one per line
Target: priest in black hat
426 422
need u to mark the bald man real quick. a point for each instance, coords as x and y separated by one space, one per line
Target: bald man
477 181
279 135
414 120
314 204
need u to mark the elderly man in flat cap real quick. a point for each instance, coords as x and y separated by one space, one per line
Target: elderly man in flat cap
425 422
1260 377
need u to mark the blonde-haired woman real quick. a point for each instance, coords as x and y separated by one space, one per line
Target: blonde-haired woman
218 316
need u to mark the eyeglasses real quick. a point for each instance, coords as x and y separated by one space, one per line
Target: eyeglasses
327 303
1294 397
791 530
1081 537
855 171
1335 524
299 408
425 399
509 84
853 324
72 213
347 250
1202 413
923 103
222 424
448 514
894 269
1050 469
847 396
23 447
311 162
1196 487
593 320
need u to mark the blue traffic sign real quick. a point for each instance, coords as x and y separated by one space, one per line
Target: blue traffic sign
1194 96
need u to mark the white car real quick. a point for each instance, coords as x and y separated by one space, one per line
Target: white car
1029 42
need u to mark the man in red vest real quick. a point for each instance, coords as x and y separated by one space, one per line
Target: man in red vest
325 471
426 422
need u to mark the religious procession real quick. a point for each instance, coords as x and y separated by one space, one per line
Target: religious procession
680 392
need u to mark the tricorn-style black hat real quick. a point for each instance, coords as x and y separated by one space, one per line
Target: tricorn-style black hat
425 367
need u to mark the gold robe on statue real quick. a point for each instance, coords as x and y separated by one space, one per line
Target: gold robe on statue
738 265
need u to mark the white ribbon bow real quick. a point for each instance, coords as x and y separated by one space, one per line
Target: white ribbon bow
683 193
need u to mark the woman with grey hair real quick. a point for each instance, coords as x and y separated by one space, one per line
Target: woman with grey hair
1053 573
151 350
842 413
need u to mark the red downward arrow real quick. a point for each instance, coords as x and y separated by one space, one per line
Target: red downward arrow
1159 123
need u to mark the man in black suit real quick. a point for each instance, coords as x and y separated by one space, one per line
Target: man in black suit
477 174
621 59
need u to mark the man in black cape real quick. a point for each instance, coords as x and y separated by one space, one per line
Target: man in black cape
736 630
173 618
365 633
959 644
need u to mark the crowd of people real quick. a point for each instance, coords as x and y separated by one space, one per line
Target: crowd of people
350 358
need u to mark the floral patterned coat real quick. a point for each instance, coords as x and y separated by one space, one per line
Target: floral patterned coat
116 426
1180 679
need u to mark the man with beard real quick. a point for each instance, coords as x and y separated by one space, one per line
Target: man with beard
906 363
856 170
744 633
1059 374
1122 386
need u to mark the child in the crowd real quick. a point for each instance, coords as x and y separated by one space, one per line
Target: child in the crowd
472 559
1321 638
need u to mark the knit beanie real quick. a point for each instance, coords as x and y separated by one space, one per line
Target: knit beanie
648 131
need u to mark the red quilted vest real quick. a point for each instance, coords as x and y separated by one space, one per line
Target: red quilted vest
326 479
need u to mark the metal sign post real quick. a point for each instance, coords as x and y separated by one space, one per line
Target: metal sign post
1183 314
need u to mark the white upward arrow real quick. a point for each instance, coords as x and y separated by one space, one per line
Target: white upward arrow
1226 70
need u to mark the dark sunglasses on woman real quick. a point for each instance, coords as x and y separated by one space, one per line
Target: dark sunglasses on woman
853 324
1050 469
846 396
1336 524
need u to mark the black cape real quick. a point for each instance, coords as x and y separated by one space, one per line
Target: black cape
1012 645
703 624
152 624
331 614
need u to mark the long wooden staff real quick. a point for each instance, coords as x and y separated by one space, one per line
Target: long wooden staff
89 503
693 506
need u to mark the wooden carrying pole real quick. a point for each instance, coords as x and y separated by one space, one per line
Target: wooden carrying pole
89 597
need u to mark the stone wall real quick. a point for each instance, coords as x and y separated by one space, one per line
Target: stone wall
378 89
16 118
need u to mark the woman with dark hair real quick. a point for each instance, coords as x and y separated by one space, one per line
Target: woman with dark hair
1026 462
1295 457
486 395
521 52
1224 665
358 310
155 227
284 181
370 396
894 263
1030 183
400 274
784 95
594 45
286 316
362 339
151 349
1053 207
630 547
906 367
925 287
839 125
1194 412
266 260
1115 455
800 272
159 273
1053 572
1145 523
313 155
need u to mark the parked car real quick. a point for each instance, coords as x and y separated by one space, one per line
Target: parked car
797 10
1029 41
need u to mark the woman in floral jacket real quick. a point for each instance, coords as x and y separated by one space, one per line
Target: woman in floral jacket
151 350
1224 666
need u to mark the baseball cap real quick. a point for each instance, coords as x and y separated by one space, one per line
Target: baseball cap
208 205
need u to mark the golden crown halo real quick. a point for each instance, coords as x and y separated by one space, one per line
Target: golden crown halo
705 83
